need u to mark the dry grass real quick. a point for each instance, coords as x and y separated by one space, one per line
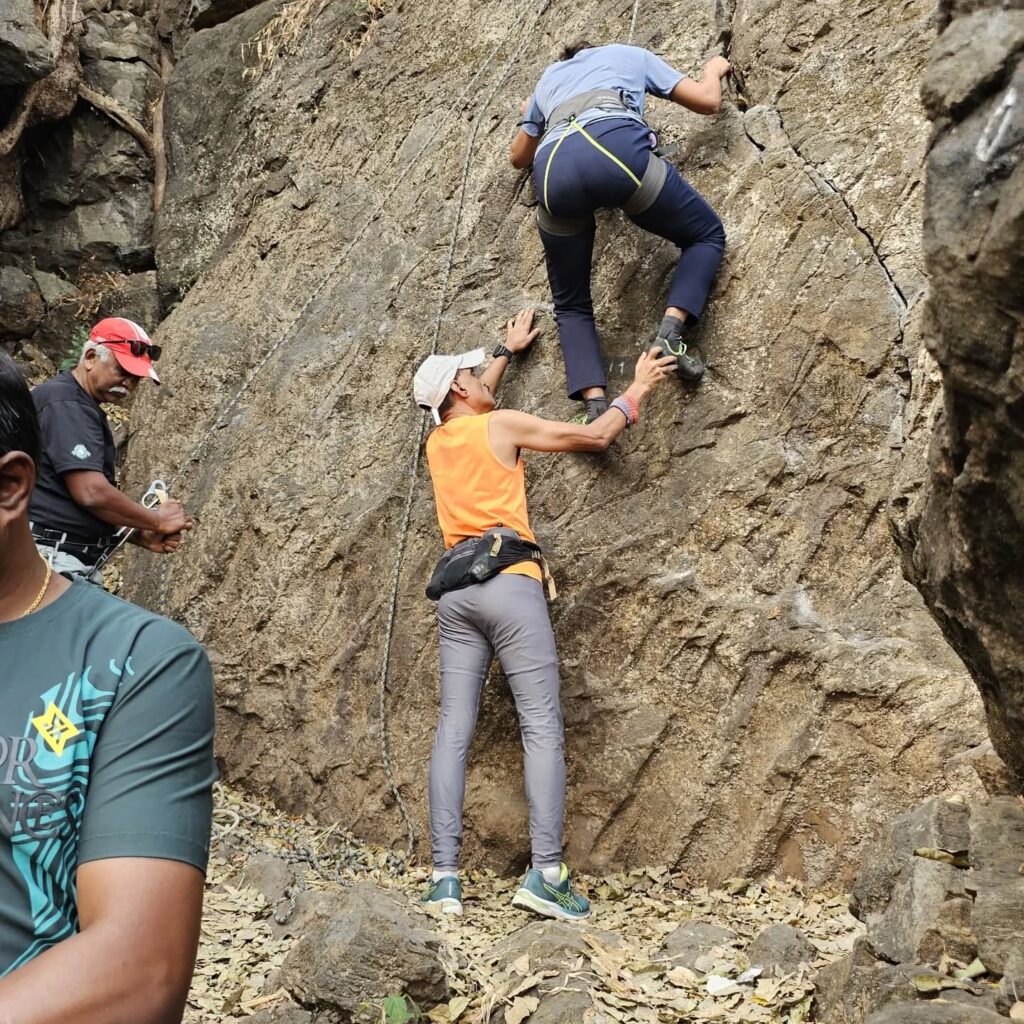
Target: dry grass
284 33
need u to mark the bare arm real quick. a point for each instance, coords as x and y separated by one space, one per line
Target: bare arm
509 431
132 961
94 492
705 96
519 336
524 147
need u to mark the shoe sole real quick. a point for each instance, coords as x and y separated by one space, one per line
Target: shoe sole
526 900
447 905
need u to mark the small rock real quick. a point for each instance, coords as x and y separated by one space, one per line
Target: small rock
21 304
268 875
689 942
54 289
281 1015
552 946
933 1012
361 946
781 949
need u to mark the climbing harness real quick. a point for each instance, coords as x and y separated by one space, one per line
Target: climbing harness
156 494
103 550
648 188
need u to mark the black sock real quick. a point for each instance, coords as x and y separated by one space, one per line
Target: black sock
671 326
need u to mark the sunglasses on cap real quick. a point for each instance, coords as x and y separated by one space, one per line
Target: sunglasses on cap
138 348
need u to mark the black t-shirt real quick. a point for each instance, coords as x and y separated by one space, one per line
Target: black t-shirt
76 435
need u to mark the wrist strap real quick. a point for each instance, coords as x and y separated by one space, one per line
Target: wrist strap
628 407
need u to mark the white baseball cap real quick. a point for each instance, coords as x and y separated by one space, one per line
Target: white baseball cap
434 378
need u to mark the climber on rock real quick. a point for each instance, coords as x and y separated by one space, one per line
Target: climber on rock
106 776
490 590
76 507
583 130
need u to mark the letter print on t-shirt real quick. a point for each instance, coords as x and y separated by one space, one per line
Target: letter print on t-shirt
44 775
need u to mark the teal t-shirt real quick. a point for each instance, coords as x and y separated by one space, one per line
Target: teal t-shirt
106 750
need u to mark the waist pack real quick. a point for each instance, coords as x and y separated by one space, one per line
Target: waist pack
479 559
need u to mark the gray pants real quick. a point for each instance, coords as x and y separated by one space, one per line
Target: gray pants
507 616
62 561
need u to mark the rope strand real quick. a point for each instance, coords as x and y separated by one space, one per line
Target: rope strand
396 572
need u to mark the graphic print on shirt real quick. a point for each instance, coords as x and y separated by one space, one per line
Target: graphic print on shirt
47 772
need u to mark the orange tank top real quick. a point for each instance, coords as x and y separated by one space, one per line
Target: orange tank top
473 489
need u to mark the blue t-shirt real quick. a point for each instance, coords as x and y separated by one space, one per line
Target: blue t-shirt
632 69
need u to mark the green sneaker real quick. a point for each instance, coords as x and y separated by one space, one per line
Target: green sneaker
548 900
445 893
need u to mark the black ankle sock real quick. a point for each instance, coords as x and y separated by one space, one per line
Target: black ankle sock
671 326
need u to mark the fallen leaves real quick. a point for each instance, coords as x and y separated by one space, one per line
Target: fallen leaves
618 970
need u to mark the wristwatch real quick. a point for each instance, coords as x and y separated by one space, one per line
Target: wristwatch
502 351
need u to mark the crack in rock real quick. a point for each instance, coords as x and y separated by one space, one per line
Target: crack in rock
825 186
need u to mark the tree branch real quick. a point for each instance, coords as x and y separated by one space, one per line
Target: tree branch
106 105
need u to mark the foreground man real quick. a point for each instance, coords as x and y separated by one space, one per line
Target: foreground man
492 600
583 131
106 768
77 508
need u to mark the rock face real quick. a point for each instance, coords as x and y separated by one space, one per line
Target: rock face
962 532
362 946
942 888
749 684
24 50
87 184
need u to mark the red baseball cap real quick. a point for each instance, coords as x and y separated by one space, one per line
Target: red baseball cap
121 336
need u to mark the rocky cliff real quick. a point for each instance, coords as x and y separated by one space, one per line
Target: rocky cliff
962 535
749 683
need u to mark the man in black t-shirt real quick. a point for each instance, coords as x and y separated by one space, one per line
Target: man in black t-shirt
106 774
77 509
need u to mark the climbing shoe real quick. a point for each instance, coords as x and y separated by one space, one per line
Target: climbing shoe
445 893
595 407
560 901
689 364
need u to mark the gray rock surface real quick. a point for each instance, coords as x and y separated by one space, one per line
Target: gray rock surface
997 914
361 946
781 949
689 942
936 1013
917 908
922 915
21 303
749 684
551 945
281 1015
24 50
962 532
268 875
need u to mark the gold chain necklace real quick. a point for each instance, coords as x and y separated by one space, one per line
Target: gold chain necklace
42 593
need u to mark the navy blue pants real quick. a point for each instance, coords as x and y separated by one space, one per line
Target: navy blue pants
581 180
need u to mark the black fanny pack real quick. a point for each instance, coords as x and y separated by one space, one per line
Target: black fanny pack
478 559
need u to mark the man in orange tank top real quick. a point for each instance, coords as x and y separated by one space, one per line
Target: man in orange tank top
474 455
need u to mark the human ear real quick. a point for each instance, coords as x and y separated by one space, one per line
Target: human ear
17 480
